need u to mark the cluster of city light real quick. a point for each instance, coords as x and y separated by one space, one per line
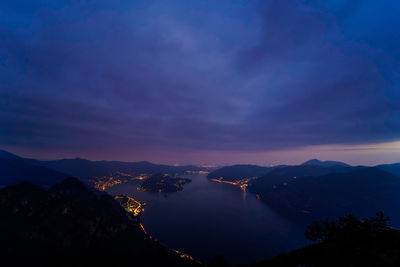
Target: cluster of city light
136 207
104 182
242 183
131 205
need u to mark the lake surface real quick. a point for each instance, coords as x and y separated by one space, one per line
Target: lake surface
208 219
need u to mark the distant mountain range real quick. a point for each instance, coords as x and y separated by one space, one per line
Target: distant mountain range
53 218
85 169
307 192
320 189
241 171
328 163
14 169
238 172
290 174
310 167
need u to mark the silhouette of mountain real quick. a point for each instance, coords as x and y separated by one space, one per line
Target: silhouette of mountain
328 193
238 172
85 169
347 241
281 176
311 167
69 225
392 168
17 170
5 155
327 163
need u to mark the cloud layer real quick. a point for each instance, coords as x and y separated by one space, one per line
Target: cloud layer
151 76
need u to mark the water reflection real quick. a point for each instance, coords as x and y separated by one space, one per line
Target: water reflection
206 219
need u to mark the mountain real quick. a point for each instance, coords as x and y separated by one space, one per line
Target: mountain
99 174
5 155
70 225
17 170
86 169
327 163
281 176
238 172
392 168
311 167
77 167
306 198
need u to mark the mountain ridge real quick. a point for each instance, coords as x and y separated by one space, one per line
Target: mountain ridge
326 163
307 198
86 169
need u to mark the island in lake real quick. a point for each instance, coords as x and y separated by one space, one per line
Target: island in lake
163 183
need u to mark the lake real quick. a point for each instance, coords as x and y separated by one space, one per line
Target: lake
208 219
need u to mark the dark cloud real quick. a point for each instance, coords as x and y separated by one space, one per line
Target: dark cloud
155 76
332 87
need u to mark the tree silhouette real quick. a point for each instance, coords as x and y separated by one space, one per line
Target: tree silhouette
348 227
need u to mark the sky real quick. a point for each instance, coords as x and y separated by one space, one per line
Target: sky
216 82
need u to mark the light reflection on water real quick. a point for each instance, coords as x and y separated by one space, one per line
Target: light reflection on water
208 219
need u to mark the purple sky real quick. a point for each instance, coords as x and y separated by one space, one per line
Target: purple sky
221 82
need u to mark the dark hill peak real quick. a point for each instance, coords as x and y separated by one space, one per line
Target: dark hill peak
23 188
312 161
18 199
71 187
74 159
327 163
72 183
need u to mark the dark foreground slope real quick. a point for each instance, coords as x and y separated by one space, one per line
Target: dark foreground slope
70 225
347 241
